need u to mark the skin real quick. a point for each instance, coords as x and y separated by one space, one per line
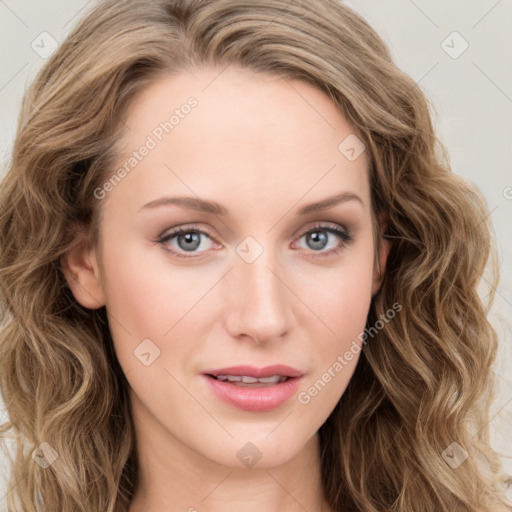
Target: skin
262 147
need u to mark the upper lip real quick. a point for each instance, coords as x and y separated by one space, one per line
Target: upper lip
253 371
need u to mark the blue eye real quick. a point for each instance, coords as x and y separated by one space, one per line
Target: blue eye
190 239
187 239
318 238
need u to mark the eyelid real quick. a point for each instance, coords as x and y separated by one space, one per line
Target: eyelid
185 227
321 224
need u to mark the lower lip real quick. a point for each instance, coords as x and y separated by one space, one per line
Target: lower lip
255 399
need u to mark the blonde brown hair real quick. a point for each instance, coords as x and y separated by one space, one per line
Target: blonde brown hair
423 382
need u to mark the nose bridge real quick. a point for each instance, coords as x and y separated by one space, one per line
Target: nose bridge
258 299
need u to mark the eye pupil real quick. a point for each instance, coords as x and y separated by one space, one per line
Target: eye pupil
193 238
319 239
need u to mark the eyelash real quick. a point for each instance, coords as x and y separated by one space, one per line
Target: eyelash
345 236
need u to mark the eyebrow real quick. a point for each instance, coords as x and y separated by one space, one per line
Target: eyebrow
203 205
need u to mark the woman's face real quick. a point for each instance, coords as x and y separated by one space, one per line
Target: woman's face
259 276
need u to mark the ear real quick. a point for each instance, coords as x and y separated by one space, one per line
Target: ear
385 247
82 272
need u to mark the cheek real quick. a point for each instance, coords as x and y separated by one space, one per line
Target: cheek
150 299
336 354
340 304
137 307
345 307
142 288
341 296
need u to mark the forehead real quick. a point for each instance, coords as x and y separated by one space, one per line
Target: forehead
258 134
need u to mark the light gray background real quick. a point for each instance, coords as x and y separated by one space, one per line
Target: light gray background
471 95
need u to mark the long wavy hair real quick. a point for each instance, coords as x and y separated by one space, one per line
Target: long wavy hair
422 383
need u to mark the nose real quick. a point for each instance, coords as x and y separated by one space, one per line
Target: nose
257 299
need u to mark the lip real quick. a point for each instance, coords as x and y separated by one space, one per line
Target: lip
253 371
255 399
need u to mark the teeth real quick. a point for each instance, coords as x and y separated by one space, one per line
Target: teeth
231 378
274 379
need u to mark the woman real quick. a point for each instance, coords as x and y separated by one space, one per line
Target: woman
184 174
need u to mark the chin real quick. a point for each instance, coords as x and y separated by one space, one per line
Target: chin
260 451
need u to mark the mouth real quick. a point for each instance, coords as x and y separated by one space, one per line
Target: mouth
250 375
254 389
250 382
